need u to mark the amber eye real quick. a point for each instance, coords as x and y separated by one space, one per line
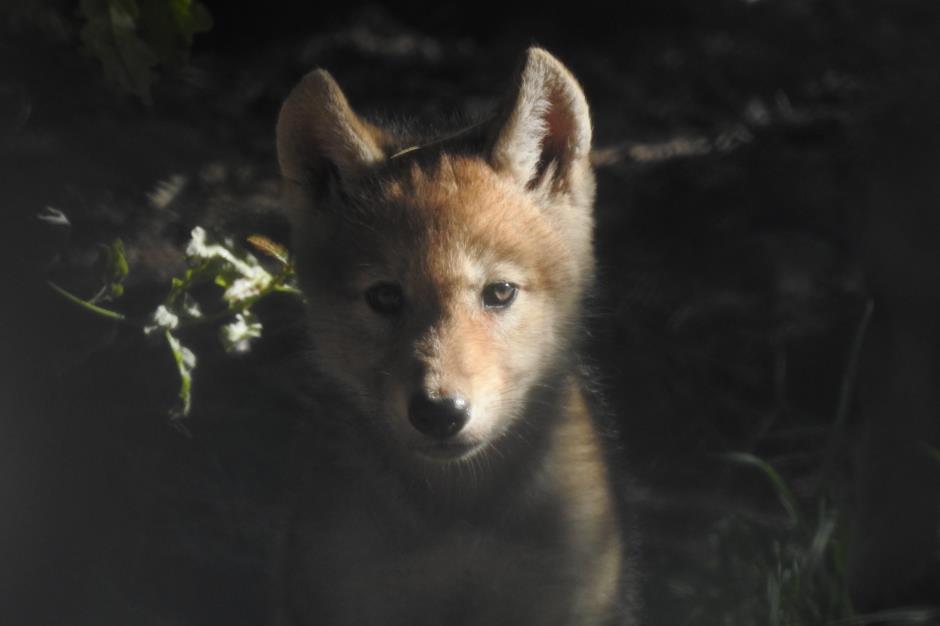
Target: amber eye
385 298
499 295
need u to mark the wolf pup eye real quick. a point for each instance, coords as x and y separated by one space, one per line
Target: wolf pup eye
385 298
499 295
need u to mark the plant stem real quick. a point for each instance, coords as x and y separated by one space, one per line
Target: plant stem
88 306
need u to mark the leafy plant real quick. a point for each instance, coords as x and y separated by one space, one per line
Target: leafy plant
132 37
802 564
241 277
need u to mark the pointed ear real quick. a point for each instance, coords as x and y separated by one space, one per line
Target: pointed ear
545 126
318 133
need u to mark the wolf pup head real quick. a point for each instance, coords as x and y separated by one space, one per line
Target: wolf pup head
444 279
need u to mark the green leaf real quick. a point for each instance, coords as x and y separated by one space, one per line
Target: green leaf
190 18
137 58
185 364
131 37
115 270
110 35
117 262
169 27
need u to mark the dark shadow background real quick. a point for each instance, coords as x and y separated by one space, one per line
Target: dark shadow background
767 171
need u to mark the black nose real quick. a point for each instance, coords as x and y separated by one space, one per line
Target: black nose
439 418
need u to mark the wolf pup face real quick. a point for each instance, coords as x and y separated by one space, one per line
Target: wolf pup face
442 278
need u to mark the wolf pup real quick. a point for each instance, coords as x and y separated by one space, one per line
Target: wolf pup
452 474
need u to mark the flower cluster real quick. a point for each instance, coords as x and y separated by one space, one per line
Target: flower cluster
243 281
162 319
237 336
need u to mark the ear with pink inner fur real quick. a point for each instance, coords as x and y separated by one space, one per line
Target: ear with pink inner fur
545 129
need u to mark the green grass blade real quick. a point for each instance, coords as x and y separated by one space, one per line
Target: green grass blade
787 498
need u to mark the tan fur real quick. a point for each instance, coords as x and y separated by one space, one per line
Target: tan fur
307 130
523 529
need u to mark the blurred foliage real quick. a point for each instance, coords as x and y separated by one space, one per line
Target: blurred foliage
133 37
800 565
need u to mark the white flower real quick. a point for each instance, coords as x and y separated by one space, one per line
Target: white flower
188 357
162 319
197 244
191 307
255 280
237 335
199 248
